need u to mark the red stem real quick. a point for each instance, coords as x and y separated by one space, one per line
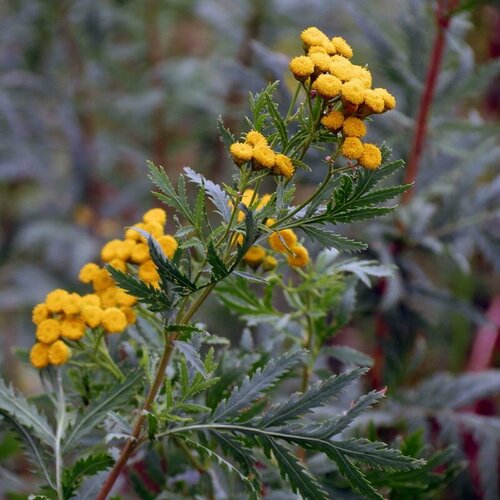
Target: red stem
443 17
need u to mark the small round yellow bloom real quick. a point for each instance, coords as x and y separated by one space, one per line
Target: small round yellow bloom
270 222
253 138
119 264
92 315
354 127
114 320
282 241
140 253
125 248
330 48
374 101
132 234
169 245
241 152
72 328
333 121
283 166
353 91
91 299
59 353
155 229
155 215
87 272
352 148
254 256
371 157
363 75
39 313
124 299
342 47
299 257
108 251
266 198
313 36
263 157
327 86
102 280
321 61
48 331
108 296
39 355
72 304
129 314
315 49
55 300
148 272
269 263
389 99
302 68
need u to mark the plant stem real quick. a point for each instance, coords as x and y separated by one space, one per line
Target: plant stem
293 101
61 424
443 17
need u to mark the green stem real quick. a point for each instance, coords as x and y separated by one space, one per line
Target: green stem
191 458
293 101
61 425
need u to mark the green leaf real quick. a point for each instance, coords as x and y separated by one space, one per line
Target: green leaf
348 355
17 408
254 387
317 395
226 136
357 214
332 240
98 409
219 269
236 450
277 120
300 479
88 466
192 356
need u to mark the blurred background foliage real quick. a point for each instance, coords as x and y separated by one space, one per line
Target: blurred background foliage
90 90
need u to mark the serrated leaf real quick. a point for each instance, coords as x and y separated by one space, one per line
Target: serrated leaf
349 355
216 194
314 397
277 120
219 269
332 240
25 414
236 450
192 356
254 387
251 277
357 214
97 410
225 135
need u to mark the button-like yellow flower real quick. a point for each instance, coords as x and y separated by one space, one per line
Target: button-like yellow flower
283 166
389 99
125 248
140 253
342 47
72 328
371 157
91 299
313 36
72 304
321 61
119 264
269 263
59 353
263 157
55 300
241 152
169 245
155 215
39 313
327 86
253 138
374 101
299 256
148 272
302 68
88 272
48 331
352 148
108 251
282 241
353 91
39 355
254 256
102 280
354 127
333 121
92 315
114 320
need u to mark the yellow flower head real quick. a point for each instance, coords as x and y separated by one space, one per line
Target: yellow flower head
140 253
91 299
247 197
313 36
389 99
73 328
327 86
333 121
124 299
270 222
92 315
55 300
155 229
129 314
125 248
330 48
353 91
253 138
39 355
282 241
352 148
263 157
72 304
114 320
302 68
241 152
266 198
363 75
299 256
269 263
119 264
48 331
102 280
316 49
354 127
108 296
148 272
87 272
342 68
169 245
374 101
254 256
321 61
155 215
59 353
371 157
108 251
132 234
39 313
342 47
283 166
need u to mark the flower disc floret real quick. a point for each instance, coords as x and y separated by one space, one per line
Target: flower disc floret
148 272
48 331
299 256
269 263
333 121
263 157
39 313
169 245
59 353
114 320
102 280
313 36
282 241
342 47
254 256
87 272
72 304
140 253
374 101
55 300
389 99
283 166
352 148
353 91
302 67
371 157
253 138
39 355
155 215
327 86
91 299
241 152
321 61
72 328
92 315
354 127
108 251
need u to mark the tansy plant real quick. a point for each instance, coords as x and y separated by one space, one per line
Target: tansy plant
131 375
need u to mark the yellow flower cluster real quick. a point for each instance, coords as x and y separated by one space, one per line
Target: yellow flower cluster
346 87
65 315
257 150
